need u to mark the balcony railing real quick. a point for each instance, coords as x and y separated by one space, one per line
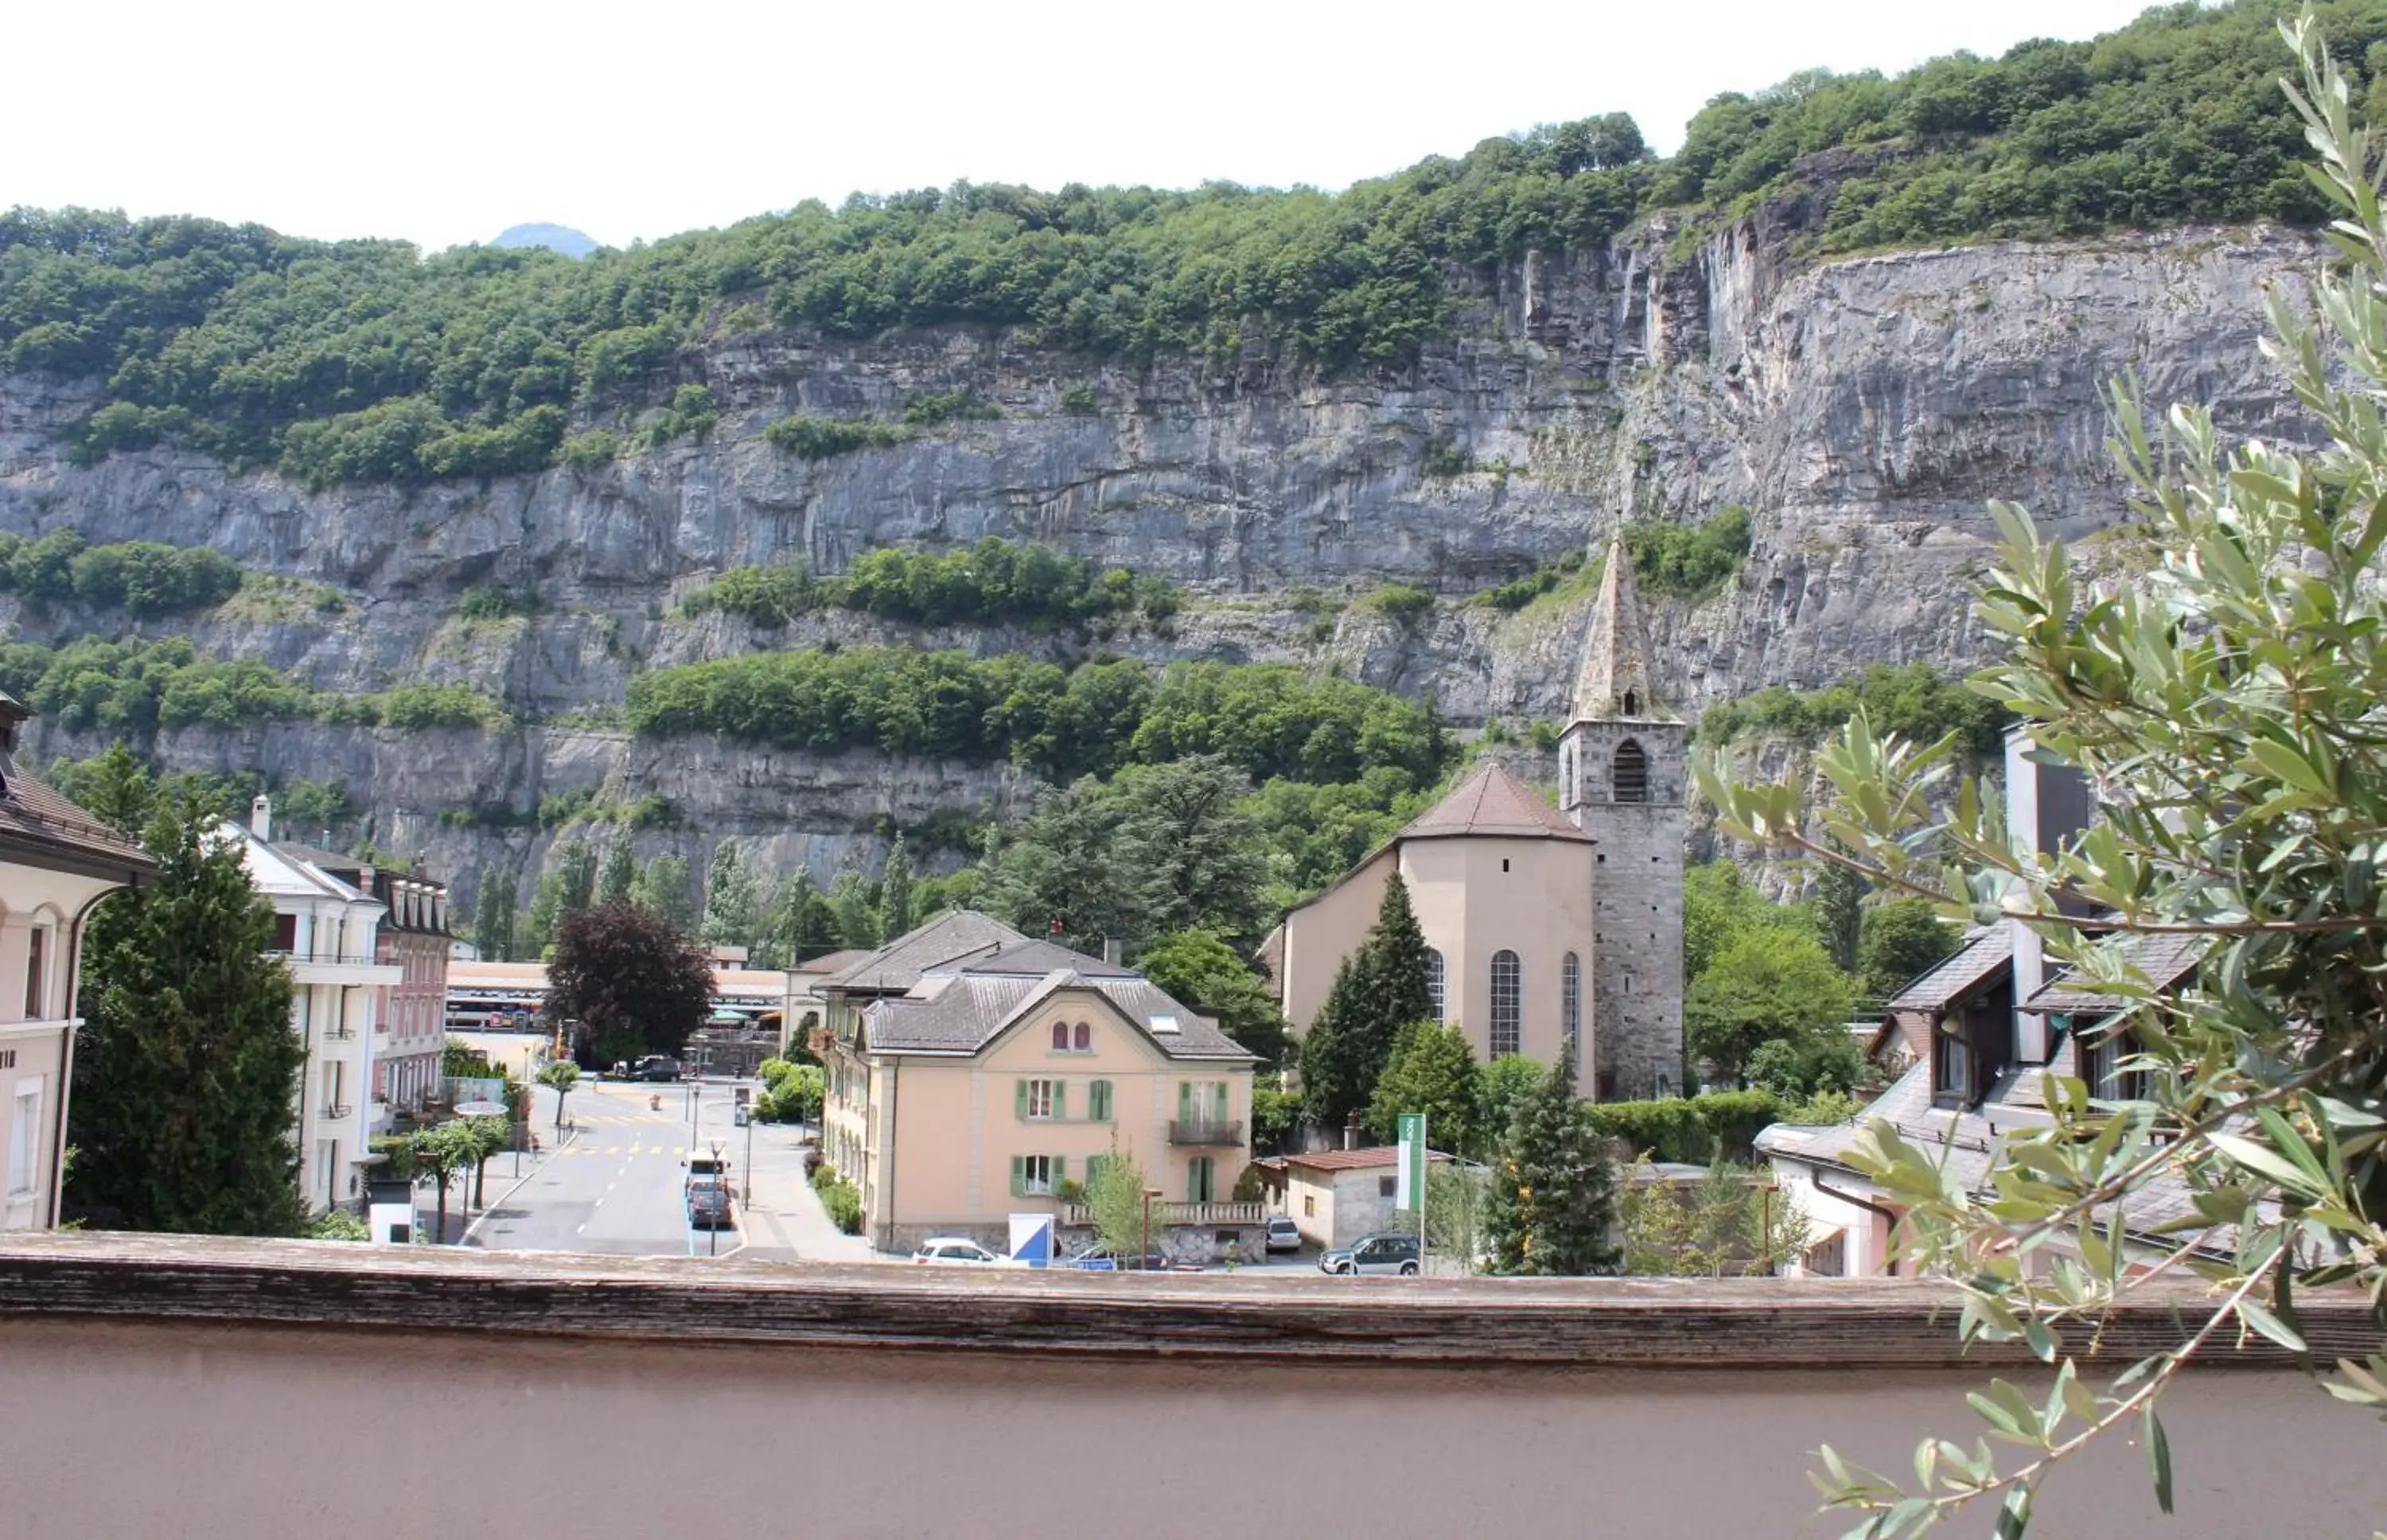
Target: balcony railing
322 955
340 1033
1204 1130
335 1111
1196 1214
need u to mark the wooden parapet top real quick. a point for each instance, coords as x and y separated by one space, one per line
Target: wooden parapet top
1730 1323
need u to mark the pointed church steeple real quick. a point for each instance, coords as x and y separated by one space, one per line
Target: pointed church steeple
1614 683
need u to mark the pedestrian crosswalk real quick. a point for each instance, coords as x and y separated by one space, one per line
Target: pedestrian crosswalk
598 1147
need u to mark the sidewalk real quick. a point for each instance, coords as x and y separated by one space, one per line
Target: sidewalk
786 1222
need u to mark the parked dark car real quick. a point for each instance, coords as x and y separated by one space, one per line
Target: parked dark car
656 1066
1381 1253
708 1206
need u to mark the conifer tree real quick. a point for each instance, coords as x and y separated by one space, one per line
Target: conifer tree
1403 987
185 1069
1432 1071
1553 1200
618 872
728 900
895 892
492 916
1335 1080
118 792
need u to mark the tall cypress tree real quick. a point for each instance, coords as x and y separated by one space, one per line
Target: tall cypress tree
618 872
1402 992
1335 1079
1553 1187
186 1068
895 893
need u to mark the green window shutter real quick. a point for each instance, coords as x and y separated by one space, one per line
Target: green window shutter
1098 1101
1019 1177
1060 1171
1094 1169
1184 1102
1218 1098
1060 1100
1019 1106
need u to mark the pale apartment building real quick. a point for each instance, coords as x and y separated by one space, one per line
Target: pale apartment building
57 864
328 929
975 1073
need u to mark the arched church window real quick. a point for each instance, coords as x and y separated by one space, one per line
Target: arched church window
1632 704
1434 987
1505 999
1571 1007
1632 779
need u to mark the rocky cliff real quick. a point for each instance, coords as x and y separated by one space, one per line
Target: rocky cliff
1864 410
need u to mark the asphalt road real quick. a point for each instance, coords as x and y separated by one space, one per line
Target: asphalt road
616 1187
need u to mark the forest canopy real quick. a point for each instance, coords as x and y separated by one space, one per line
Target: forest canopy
362 360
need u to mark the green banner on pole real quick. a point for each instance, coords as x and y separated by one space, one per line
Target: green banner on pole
1409 1190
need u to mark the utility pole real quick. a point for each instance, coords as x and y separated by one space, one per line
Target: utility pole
713 1230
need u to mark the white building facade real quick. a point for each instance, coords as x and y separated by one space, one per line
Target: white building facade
327 928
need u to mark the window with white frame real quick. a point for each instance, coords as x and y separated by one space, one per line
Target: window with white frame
25 1140
1037 1100
1507 993
1435 985
1031 1175
37 974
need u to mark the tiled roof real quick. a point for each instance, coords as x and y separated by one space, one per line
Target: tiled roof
962 1010
1985 950
901 963
830 963
2164 960
32 813
1492 801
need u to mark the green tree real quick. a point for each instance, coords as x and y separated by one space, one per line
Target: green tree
1276 1112
1836 899
631 979
1186 826
895 892
1501 1084
185 1067
561 1076
1432 1071
116 788
803 924
1553 1199
1770 983
1199 970
493 917
1403 988
1902 939
662 888
1336 1080
1729 1224
728 900
618 873
2222 706
1065 865
852 899
1115 1204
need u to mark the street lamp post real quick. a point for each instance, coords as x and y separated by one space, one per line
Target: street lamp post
713 1230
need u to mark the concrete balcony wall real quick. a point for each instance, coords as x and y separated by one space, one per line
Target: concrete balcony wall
1682 1410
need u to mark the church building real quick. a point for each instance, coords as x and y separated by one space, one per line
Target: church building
1548 931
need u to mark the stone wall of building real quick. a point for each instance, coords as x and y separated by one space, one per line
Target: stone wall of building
1637 968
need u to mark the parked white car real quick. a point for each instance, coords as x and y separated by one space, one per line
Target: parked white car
956 1251
1282 1234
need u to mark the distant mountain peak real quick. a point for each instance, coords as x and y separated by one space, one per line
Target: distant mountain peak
555 237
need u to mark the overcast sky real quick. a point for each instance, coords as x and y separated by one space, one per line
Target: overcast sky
446 121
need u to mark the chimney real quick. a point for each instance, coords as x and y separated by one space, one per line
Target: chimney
1112 951
1351 1131
2046 804
260 817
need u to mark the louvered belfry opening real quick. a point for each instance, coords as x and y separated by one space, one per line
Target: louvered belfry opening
1632 779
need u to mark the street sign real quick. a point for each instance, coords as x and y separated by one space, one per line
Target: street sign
1409 1189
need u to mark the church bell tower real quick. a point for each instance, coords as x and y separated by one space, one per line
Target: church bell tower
1623 770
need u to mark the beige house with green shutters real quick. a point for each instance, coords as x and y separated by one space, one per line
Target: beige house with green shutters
975 1073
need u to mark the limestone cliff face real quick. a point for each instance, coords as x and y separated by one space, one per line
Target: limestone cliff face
1864 412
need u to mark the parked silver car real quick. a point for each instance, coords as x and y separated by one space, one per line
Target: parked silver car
1396 1255
1282 1234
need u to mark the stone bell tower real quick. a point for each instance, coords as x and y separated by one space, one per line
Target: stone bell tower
1624 769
